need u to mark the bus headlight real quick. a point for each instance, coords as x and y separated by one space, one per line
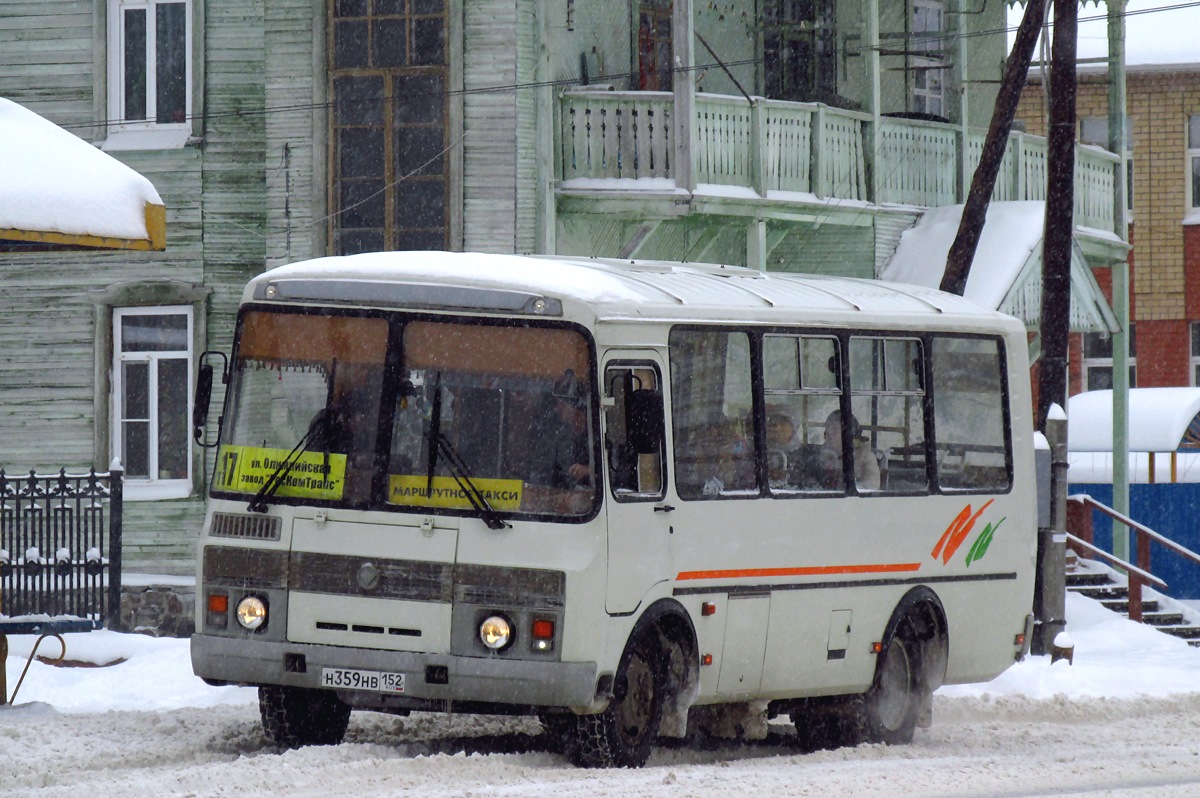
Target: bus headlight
252 612
495 632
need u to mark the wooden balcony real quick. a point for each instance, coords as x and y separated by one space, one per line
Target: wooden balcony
814 153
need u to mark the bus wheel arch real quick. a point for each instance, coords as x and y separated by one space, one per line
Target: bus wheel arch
656 680
911 665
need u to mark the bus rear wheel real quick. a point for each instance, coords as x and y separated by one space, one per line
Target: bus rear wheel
296 716
624 733
891 707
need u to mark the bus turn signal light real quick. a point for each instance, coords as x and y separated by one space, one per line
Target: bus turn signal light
708 608
542 634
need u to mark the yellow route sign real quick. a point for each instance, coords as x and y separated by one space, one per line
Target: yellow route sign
501 494
314 475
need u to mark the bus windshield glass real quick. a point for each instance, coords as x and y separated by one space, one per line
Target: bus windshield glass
382 411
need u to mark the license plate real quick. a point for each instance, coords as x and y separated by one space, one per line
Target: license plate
347 679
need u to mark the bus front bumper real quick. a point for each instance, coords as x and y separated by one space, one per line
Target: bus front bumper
428 678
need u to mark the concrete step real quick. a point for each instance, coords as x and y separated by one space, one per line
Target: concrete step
1086 579
1122 606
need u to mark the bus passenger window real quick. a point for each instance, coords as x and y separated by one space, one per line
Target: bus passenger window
968 420
887 398
802 383
711 413
633 440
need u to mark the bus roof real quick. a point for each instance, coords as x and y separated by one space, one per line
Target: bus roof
612 289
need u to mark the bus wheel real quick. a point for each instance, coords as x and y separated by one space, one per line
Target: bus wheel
296 716
623 734
891 706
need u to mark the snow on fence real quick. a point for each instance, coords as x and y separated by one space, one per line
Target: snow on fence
60 545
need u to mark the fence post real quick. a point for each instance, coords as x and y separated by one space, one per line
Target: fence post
115 509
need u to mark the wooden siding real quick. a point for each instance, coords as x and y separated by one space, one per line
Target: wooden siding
490 126
888 229
293 209
46 59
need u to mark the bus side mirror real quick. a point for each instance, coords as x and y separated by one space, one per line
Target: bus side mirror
644 420
204 382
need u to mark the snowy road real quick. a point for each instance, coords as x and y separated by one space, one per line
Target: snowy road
977 747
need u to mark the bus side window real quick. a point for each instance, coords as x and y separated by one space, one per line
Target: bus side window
711 414
802 386
634 431
973 449
887 398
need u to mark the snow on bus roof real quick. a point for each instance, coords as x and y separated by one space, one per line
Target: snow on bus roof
1158 419
634 284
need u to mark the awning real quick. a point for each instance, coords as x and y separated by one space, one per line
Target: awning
1160 420
1006 274
59 191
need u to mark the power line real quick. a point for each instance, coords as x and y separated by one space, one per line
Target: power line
576 81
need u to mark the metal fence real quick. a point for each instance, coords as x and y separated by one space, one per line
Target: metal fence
60 545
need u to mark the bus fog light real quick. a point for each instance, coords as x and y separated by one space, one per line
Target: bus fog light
252 612
495 632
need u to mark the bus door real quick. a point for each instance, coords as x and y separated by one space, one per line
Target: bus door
639 520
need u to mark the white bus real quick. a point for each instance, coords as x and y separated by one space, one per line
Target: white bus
631 498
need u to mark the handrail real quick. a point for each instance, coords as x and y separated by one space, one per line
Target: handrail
1129 522
1142 537
1115 560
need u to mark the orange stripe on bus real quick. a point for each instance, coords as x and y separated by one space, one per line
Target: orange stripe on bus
816 570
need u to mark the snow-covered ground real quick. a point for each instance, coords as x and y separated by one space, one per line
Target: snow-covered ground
1124 719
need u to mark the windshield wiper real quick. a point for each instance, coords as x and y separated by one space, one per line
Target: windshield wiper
315 430
439 445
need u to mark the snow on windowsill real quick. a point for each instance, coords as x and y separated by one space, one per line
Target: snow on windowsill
158 137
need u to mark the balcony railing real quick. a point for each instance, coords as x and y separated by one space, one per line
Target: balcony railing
772 145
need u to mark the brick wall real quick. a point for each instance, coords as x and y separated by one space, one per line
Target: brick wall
1165 288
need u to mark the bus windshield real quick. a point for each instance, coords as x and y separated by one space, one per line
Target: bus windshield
480 418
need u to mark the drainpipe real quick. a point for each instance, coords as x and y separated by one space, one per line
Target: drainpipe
1050 592
1120 274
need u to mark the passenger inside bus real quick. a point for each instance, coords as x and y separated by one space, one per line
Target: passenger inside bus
866 466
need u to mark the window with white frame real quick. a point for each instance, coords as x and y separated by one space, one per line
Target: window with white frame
1098 360
1195 358
1094 130
1193 159
149 65
926 58
151 393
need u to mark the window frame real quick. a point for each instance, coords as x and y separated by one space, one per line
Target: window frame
151 486
1088 135
1192 163
917 63
439 170
148 294
1194 359
148 133
1101 363
925 393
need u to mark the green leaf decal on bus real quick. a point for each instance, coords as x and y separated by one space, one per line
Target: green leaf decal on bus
980 546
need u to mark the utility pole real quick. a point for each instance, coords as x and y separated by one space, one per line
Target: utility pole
1060 205
962 251
1059 228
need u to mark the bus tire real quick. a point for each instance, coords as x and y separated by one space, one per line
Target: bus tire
891 707
296 716
624 733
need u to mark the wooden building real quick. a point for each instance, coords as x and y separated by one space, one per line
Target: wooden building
801 136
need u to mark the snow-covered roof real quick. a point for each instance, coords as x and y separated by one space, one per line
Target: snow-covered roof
1159 419
57 189
1006 272
616 289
